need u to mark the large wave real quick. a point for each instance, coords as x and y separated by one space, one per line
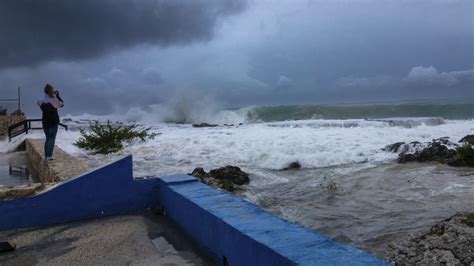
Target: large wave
189 109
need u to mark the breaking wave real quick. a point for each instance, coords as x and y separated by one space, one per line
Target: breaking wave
205 110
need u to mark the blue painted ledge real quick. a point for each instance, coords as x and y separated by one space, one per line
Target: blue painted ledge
226 227
108 190
233 230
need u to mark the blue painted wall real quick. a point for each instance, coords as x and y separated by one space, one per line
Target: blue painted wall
227 226
108 190
223 225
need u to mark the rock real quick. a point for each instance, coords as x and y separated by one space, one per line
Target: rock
230 173
343 239
224 177
292 166
7 246
199 173
434 152
204 125
468 139
448 242
395 147
443 140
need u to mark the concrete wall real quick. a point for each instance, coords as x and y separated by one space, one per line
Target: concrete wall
62 168
229 228
8 120
109 190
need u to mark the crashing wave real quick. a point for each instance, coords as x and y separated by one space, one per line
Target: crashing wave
409 122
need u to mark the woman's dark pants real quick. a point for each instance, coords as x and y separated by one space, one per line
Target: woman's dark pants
50 133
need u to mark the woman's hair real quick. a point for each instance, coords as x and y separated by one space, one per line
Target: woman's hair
48 89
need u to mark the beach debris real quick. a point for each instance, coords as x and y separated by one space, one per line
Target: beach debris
449 242
224 177
292 166
6 246
204 125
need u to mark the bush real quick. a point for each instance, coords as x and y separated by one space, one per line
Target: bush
464 156
109 138
3 110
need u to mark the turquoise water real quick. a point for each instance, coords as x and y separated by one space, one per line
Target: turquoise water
366 111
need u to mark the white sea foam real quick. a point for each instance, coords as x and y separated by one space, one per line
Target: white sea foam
264 146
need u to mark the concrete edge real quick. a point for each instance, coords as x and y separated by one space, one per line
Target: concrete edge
233 230
111 188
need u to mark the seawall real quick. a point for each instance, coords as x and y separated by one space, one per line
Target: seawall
235 232
227 228
63 167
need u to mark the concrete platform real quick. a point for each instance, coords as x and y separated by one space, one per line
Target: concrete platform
140 239
63 167
47 174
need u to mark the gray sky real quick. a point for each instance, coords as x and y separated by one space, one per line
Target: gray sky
110 55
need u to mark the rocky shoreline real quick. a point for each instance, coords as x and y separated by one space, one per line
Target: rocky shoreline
449 242
439 150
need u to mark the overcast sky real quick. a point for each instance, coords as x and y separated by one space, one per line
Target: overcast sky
110 55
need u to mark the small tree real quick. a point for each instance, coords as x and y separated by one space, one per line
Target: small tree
109 138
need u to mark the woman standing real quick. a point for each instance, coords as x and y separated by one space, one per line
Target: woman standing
49 105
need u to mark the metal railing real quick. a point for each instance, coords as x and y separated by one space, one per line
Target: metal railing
24 126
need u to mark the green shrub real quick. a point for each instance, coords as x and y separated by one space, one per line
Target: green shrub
109 138
464 156
468 219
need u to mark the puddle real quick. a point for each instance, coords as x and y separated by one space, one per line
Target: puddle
15 169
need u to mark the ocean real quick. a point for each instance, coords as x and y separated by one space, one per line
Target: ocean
348 188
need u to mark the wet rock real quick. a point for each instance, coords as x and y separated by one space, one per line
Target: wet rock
449 242
199 173
7 246
230 173
443 140
205 125
395 147
225 177
435 151
343 239
292 166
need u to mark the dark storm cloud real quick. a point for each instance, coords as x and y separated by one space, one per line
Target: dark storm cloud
34 31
